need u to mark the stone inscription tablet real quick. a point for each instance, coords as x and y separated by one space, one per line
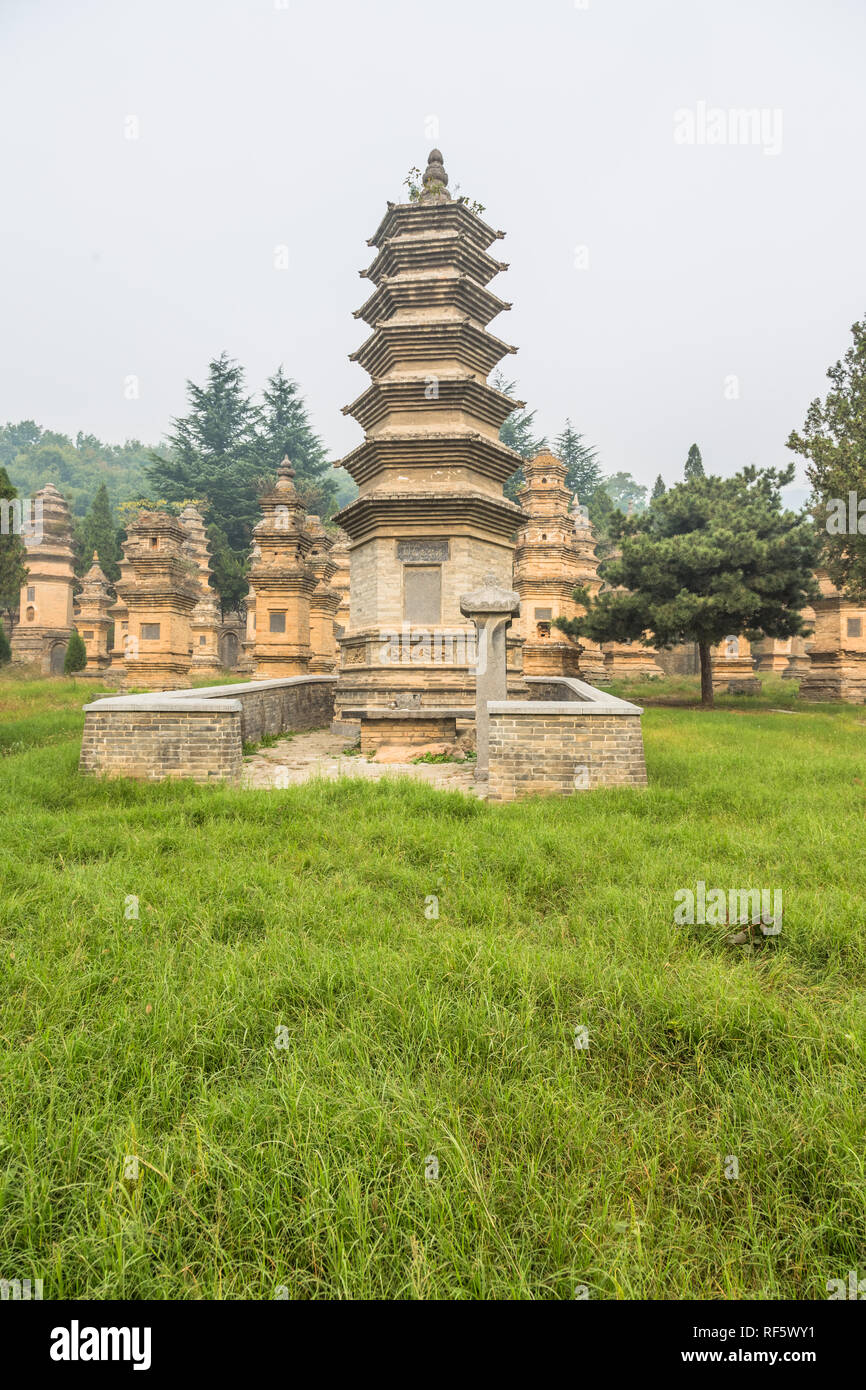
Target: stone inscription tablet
422 552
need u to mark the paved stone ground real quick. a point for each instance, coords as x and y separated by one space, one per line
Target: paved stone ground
322 754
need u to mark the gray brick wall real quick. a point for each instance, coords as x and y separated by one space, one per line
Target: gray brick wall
545 753
170 735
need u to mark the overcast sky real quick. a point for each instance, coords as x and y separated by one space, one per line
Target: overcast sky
663 291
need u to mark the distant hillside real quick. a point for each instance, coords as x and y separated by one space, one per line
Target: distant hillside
33 457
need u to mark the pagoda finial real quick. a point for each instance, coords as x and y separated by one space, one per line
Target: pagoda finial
435 180
285 469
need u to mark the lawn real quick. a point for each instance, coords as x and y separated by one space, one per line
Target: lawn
237 1043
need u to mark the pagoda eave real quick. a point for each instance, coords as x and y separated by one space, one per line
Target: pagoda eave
408 218
388 394
433 450
454 514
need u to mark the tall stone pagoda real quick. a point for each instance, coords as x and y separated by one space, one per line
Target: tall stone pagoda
547 567
324 600
205 619
283 580
160 589
93 618
431 519
42 633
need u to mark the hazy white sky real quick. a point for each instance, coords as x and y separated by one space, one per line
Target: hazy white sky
264 123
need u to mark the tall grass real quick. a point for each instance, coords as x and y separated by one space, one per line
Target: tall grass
286 1035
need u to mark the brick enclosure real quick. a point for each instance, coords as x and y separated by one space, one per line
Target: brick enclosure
558 747
198 734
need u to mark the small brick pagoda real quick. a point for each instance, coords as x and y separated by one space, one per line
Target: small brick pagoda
431 519
93 617
554 556
205 619
283 581
324 600
837 650
734 667
160 589
45 621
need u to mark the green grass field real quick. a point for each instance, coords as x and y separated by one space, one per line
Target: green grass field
285 1041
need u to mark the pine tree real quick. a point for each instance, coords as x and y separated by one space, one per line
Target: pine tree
659 488
713 556
76 654
215 453
694 465
834 442
13 554
517 433
583 473
285 430
97 531
230 571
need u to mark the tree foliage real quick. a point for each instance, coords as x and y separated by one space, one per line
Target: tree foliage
98 531
833 440
694 466
13 553
76 654
710 558
35 457
518 432
583 472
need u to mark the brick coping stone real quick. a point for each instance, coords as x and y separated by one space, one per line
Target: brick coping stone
581 699
207 697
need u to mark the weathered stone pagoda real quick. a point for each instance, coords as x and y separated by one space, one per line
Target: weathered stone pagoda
548 566
283 580
93 618
160 589
42 633
734 667
324 600
205 619
837 650
431 519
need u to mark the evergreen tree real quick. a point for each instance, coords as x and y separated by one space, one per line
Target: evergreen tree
97 531
230 571
215 453
623 490
5 649
834 442
659 488
713 556
583 471
694 465
13 554
76 654
518 433
285 429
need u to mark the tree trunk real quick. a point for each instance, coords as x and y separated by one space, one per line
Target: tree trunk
707 697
